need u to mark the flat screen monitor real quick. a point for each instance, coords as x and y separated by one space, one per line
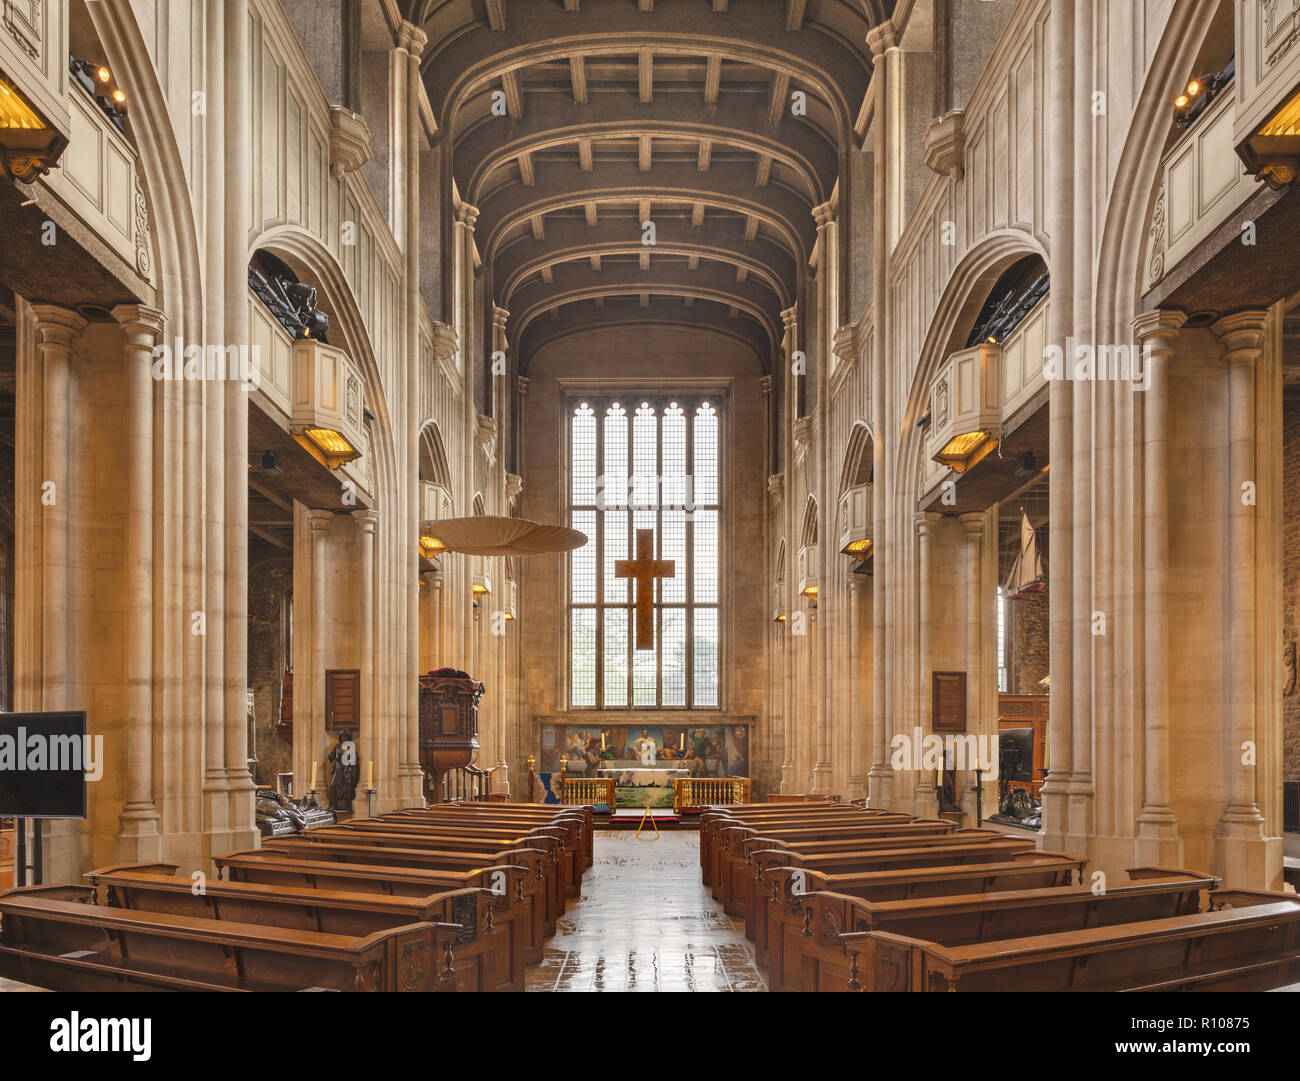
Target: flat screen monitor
44 758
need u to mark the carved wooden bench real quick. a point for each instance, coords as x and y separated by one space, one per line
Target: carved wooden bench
50 940
1251 948
783 911
520 884
488 954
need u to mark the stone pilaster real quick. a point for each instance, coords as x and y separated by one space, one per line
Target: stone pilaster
925 799
1239 838
1158 840
138 838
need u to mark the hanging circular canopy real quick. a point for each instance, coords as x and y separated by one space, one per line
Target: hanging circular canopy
493 536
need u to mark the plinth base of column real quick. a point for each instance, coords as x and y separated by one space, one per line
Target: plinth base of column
138 839
821 779
879 779
1158 843
1242 854
788 786
925 801
855 789
1055 814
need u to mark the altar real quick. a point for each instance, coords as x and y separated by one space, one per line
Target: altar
642 786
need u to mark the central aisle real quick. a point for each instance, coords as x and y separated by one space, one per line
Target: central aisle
645 922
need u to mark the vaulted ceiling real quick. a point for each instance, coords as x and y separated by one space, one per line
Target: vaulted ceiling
570 123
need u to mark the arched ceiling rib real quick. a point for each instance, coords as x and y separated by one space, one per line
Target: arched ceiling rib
567 123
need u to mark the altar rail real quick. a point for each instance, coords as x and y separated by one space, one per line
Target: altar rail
593 790
694 792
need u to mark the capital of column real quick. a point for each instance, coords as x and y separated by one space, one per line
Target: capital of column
882 37
1241 335
776 485
973 523
445 342
823 214
411 38
57 325
141 323
467 215
367 520
925 521
790 316
521 384
1159 328
499 317
765 384
514 485
319 521
857 582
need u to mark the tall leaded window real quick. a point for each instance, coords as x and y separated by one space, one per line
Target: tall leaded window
644 464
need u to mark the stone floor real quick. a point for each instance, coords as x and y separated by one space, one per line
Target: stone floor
645 922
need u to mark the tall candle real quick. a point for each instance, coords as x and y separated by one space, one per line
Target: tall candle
371 774
602 741
313 776
682 744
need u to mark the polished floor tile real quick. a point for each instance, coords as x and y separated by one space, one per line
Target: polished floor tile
645 922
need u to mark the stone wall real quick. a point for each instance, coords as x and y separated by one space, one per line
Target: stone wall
1290 588
269 586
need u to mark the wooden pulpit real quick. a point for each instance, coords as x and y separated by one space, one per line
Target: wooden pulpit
448 726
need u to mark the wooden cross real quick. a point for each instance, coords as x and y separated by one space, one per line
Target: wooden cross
644 570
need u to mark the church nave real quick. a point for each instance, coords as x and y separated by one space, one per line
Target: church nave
645 922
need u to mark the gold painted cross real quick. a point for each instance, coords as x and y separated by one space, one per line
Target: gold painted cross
644 570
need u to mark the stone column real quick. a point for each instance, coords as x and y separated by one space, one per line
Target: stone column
368 737
925 797
857 716
411 41
319 522
974 525
57 330
501 779
1158 841
1060 215
138 838
1239 839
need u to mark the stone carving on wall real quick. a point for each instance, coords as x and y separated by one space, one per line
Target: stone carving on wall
1157 270
23 21
1288 669
940 404
142 239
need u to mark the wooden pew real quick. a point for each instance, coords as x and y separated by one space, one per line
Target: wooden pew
715 821
838 920
521 884
488 954
747 872
564 850
50 940
577 821
549 864
365 849
1255 947
783 912
735 845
